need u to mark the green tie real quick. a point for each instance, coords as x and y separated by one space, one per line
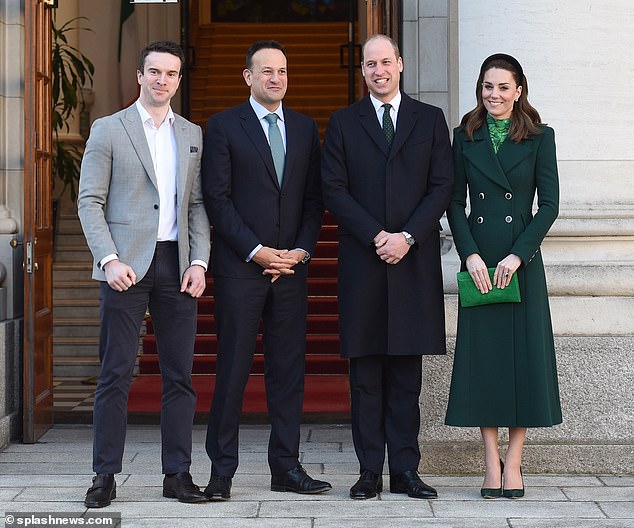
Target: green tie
388 126
277 146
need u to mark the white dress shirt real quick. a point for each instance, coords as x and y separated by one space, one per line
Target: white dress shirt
378 107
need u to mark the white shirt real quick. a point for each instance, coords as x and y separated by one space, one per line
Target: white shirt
378 107
162 145
262 112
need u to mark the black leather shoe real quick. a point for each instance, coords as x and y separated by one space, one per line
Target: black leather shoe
181 486
368 485
409 482
298 481
219 488
102 491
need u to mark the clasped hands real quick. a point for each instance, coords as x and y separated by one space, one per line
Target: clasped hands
391 247
278 262
502 276
121 277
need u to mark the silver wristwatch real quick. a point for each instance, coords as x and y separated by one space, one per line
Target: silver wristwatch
408 238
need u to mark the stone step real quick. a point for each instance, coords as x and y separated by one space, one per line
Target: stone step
82 346
83 367
73 254
70 239
69 308
80 289
76 327
71 271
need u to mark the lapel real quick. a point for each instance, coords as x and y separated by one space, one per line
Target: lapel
134 127
407 115
480 153
511 154
292 133
369 121
253 129
182 154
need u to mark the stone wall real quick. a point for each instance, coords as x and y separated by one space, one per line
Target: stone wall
11 207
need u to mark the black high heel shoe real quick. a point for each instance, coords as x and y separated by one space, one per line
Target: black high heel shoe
493 493
515 493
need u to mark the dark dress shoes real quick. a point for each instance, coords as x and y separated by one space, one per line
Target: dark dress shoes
181 486
102 491
219 488
368 485
298 481
409 482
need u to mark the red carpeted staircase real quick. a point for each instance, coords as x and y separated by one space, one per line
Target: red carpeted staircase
327 388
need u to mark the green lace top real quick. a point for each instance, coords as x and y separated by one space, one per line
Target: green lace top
498 130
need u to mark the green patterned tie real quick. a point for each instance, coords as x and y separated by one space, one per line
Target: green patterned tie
277 146
388 126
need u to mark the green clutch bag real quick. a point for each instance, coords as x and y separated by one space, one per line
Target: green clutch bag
471 296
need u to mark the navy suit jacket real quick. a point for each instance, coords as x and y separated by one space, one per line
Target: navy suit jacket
244 201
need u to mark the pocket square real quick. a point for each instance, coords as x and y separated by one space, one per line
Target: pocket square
193 148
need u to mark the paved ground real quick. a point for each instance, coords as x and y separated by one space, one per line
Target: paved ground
52 476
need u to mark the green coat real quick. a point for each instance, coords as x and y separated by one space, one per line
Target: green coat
504 371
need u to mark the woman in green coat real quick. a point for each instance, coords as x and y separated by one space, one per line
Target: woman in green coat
504 372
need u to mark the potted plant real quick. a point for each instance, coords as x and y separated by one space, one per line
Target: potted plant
72 71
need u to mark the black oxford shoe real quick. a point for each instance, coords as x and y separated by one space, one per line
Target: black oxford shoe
219 488
298 481
102 491
181 486
368 485
409 482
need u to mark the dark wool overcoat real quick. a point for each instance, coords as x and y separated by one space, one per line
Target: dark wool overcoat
369 187
504 370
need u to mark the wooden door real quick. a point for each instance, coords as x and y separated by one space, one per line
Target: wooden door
382 16
38 231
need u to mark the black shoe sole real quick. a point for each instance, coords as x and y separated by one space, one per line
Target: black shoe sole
172 495
102 504
405 492
218 498
278 487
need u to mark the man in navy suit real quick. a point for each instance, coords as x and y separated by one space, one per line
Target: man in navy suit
387 176
261 187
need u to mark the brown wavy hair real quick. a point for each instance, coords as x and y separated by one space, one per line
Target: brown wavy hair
525 119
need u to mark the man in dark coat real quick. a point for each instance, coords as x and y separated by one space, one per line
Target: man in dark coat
387 173
262 191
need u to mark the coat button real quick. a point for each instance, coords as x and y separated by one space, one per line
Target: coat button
481 195
479 220
508 219
155 206
508 196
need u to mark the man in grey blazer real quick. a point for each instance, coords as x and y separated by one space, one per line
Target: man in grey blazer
141 209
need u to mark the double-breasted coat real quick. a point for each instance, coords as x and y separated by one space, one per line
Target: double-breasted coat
504 370
369 187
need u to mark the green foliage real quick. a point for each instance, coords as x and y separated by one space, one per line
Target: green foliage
71 71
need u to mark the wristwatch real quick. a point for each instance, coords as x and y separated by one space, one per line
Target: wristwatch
408 238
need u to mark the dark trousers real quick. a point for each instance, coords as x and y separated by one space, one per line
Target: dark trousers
240 304
384 392
174 320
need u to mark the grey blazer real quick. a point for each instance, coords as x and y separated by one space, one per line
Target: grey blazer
118 199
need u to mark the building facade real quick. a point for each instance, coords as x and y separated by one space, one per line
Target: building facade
578 60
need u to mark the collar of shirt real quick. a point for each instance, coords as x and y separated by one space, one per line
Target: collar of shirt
378 108
145 115
261 112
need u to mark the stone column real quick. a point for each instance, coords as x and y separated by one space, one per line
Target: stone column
11 210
